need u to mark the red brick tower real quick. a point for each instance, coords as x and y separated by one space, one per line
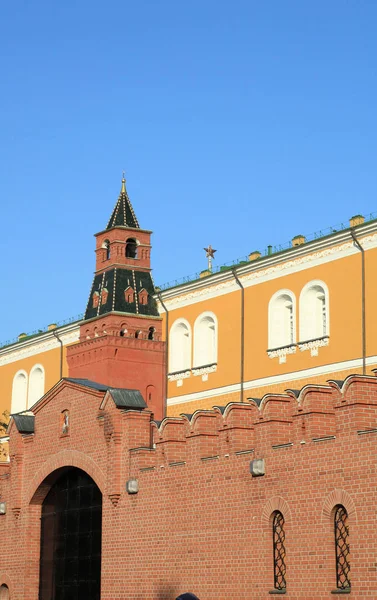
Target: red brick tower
120 339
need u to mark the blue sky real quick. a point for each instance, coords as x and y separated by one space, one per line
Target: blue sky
239 124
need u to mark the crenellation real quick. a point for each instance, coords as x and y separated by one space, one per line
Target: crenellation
142 459
315 414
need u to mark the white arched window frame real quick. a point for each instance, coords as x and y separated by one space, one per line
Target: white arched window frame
282 319
180 341
19 392
314 311
36 384
205 339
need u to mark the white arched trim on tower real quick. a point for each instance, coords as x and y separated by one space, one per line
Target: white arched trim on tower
36 384
19 392
205 339
282 319
180 346
314 316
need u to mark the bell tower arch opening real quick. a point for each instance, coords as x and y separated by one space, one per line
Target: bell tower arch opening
71 531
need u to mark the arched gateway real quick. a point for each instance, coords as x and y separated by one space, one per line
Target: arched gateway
71 527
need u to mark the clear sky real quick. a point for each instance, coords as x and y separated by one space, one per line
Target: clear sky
239 124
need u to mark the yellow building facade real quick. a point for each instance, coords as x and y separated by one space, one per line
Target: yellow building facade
275 322
303 315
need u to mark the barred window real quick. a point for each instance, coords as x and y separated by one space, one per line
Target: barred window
180 346
314 311
278 534
342 548
282 319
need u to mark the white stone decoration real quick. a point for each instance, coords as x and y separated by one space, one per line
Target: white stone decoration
180 375
282 352
313 345
203 371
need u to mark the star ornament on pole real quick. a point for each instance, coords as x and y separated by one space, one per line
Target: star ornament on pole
210 254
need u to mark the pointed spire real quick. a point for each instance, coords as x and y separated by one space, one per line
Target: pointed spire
123 214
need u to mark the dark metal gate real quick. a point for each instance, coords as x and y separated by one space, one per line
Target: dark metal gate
70 566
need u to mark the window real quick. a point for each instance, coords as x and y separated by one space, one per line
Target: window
151 332
106 246
95 299
143 296
19 392
36 384
282 319
65 422
342 548
4 592
131 248
314 311
129 295
205 340
180 346
278 537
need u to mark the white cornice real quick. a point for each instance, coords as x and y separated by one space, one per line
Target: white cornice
307 255
324 370
41 343
133 229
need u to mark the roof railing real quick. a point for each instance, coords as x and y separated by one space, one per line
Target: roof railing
269 251
38 332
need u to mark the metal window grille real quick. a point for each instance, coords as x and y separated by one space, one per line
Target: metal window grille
291 324
342 548
324 315
279 551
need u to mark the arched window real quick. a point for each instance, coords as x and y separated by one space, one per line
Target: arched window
151 332
19 392
65 422
278 538
106 246
4 592
205 340
282 319
36 384
314 311
138 333
342 548
180 346
131 248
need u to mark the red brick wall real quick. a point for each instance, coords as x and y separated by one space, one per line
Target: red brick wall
117 238
200 522
106 357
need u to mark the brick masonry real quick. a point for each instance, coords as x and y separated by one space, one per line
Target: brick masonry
200 521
